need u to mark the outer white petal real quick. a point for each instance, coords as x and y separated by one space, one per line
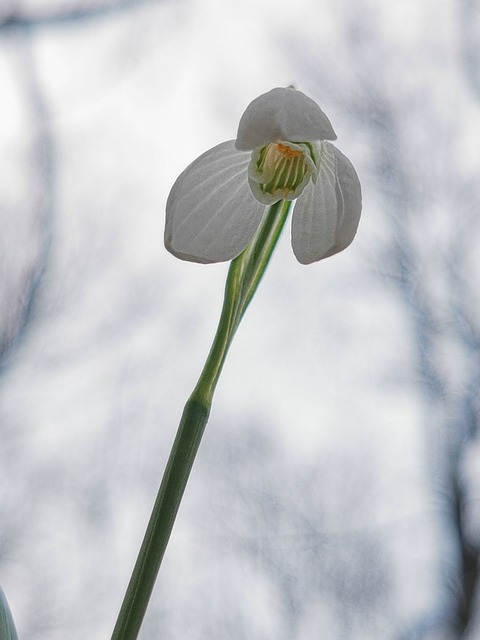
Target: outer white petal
211 212
282 114
314 221
326 215
349 203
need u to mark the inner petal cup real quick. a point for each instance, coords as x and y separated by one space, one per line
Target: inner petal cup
280 171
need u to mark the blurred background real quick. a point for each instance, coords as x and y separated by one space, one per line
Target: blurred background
336 494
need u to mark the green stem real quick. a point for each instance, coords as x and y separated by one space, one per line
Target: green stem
185 446
243 279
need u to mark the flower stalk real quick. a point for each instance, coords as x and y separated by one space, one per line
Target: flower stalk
243 278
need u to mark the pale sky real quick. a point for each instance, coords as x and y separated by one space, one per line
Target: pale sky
322 367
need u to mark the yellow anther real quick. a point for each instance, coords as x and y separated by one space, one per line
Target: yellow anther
288 152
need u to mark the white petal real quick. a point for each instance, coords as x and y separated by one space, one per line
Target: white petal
326 215
282 114
211 212
349 203
314 221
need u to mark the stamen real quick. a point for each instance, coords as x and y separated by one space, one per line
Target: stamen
288 152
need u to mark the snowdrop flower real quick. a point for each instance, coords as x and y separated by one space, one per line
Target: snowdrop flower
281 153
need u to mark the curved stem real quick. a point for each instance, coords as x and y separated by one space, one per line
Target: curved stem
243 279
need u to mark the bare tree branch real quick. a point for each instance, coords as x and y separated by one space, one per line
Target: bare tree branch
84 11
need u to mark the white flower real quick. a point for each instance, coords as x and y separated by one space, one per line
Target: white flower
280 153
